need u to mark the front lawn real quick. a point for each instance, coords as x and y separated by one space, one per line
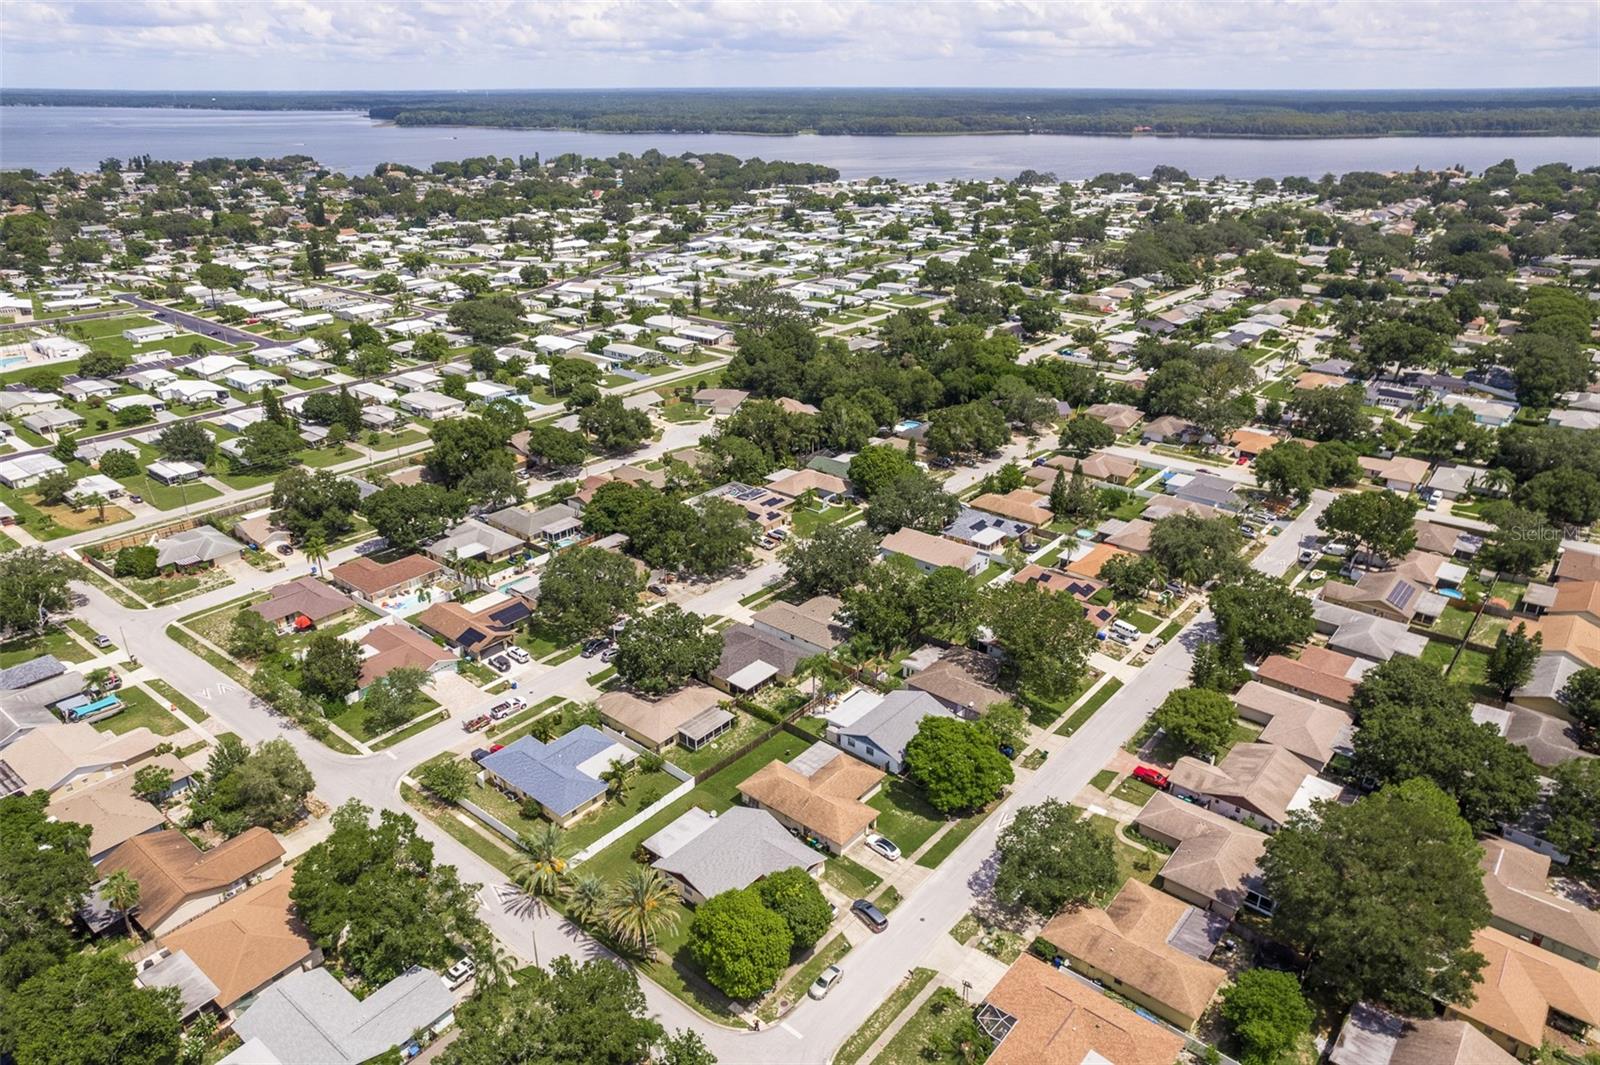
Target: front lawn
353 719
904 815
50 642
850 877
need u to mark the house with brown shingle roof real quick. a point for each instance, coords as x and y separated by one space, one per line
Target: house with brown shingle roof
1320 675
1019 505
303 603
1118 416
807 626
1313 732
395 645
1373 1036
113 813
1527 996
1576 564
1142 944
178 881
1516 881
385 580
930 552
690 716
822 792
1215 861
961 679
1578 598
247 942
1255 781
1040 1015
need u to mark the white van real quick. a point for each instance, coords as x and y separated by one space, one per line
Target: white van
1125 631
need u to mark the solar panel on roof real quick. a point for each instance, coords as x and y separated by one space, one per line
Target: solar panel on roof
1401 594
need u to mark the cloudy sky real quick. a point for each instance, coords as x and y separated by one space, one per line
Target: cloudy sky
382 44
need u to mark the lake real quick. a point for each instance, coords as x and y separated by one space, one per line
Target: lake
46 138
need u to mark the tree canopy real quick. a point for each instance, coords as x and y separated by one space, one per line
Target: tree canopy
1052 857
957 764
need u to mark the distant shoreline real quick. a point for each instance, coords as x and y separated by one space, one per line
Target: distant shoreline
719 132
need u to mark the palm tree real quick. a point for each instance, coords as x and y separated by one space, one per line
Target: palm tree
616 778
316 550
542 873
586 898
641 907
98 501
122 891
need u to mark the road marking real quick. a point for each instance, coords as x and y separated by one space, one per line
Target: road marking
391 756
785 1026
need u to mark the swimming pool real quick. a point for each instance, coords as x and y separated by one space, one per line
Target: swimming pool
1451 593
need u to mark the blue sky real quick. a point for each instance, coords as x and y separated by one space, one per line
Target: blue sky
381 44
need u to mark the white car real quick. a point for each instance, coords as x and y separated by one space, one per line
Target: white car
459 973
884 847
824 983
517 654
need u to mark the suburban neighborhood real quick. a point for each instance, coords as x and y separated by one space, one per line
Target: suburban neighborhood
777 618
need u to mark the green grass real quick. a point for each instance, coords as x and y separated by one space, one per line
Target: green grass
883 1017
1132 791
51 642
1102 780
195 647
173 695
470 838
168 496
411 730
139 710
966 928
745 728
830 953
850 876
904 815
1132 863
925 1039
953 838
888 899
159 590
716 793
1081 715
353 719
523 718
1142 621
82 628
807 522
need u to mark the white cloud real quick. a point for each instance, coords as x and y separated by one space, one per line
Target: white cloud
307 44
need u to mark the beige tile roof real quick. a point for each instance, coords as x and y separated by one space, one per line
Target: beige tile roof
1576 565
1128 941
1062 1021
1090 564
48 756
828 802
247 941
1521 983
797 483
1514 878
171 870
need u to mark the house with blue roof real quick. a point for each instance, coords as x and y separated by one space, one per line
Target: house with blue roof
562 776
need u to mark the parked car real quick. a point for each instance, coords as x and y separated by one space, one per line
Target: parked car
594 647
870 915
493 747
884 847
112 683
459 973
1309 556
478 753
501 711
476 723
136 499
824 983
518 655
102 640
608 654
1153 777
499 664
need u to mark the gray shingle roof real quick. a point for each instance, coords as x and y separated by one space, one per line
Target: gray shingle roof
891 724
735 850
309 1016
30 672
